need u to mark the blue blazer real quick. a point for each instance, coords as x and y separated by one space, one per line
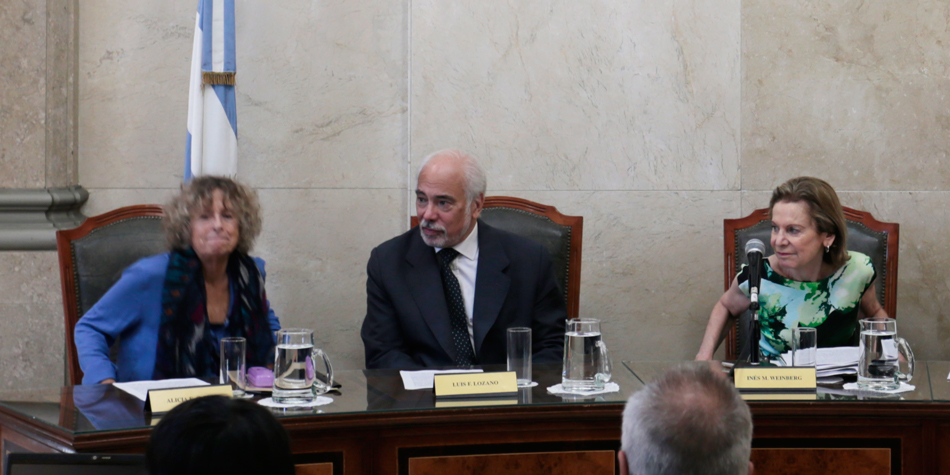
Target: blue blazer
132 310
407 319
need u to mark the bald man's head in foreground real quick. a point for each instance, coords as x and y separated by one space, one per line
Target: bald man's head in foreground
690 421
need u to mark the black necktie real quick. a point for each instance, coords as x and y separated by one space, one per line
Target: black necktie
453 297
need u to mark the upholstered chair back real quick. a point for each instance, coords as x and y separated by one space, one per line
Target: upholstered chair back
556 238
93 256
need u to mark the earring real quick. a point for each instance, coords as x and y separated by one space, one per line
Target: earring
827 249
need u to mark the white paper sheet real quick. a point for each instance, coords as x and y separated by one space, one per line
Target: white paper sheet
833 361
425 379
140 389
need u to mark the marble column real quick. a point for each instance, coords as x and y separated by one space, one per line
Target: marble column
38 183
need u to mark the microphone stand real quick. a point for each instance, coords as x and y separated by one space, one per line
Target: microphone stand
754 308
756 332
754 250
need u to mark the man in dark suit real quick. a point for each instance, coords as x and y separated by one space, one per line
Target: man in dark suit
445 293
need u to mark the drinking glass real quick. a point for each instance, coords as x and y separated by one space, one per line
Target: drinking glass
586 361
519 354
233 360
804 346
295 378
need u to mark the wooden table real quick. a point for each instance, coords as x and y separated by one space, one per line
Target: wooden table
376 427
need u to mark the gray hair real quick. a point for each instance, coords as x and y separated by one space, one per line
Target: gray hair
476 182
196 196
690 421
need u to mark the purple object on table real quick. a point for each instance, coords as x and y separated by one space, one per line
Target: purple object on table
260 377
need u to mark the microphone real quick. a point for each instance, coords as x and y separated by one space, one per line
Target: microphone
754 250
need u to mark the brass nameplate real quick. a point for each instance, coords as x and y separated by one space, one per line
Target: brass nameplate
163 400
775 378
476 384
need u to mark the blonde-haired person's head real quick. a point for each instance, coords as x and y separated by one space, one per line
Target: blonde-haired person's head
196 196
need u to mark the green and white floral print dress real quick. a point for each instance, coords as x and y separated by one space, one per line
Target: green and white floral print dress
831 305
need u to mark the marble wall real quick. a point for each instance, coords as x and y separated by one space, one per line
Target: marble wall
37 99
37 150
23 93
31 327
854 91
653 120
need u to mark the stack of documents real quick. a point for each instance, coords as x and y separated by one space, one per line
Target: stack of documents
833 361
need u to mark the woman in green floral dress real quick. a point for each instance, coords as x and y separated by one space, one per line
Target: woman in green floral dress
812 280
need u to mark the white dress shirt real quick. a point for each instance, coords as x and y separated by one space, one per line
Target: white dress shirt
465 268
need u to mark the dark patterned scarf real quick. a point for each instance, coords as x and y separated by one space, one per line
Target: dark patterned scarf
185 341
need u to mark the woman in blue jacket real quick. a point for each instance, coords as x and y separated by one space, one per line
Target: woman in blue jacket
169 311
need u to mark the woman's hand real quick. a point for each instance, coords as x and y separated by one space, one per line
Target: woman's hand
107 381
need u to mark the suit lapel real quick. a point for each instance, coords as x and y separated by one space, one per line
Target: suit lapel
425 284
491 283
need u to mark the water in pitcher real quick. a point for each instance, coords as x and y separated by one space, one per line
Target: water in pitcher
293 374
879 367
582 361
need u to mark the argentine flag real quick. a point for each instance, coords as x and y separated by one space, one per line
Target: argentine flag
212 116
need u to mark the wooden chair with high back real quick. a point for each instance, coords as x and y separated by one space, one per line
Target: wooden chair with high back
93 256
560 234
877 239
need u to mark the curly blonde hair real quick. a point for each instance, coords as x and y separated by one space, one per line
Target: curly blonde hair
196 196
